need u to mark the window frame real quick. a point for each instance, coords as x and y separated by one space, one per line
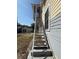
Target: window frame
48 29
47 20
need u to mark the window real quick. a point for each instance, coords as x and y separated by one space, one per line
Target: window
46 19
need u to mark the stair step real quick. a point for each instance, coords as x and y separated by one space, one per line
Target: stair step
42 54
40 44
39 35
40 41
45 47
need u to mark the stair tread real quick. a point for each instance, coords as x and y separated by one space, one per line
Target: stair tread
41 47
40 44
42 54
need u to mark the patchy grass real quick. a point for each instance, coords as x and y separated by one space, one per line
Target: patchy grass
23 41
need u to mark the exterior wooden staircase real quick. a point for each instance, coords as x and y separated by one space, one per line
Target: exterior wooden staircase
41 48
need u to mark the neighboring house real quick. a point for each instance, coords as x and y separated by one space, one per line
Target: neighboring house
26 29
50 18
23 29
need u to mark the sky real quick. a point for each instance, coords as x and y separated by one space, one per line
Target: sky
24 11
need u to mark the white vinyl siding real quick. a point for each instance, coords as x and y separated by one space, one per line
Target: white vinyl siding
54 23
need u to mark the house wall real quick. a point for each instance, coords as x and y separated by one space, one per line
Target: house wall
54 29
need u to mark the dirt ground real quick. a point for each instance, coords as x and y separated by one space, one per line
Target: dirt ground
23 42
